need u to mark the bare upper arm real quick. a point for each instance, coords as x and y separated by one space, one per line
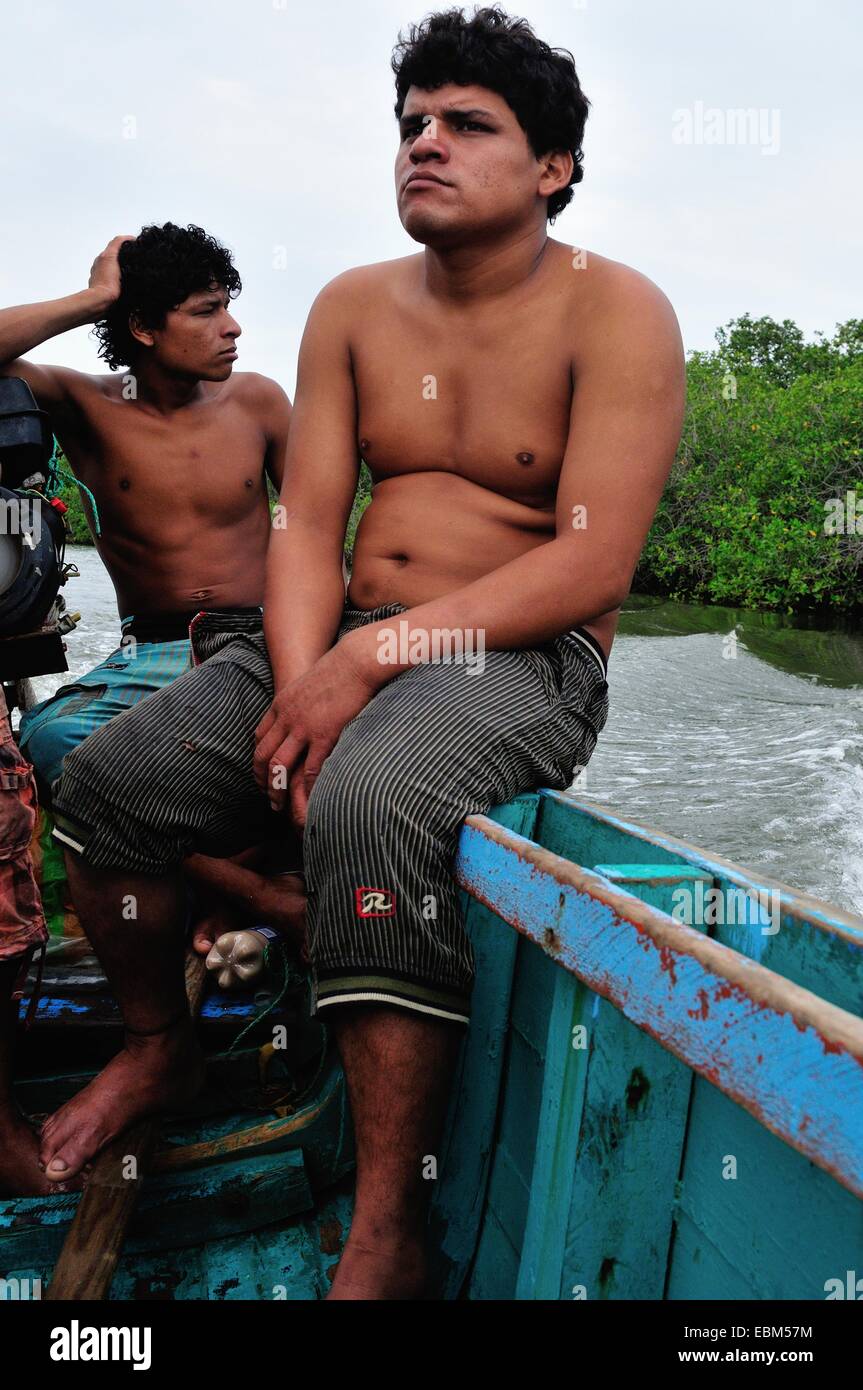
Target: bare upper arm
322 458
271 408
58 390
627 410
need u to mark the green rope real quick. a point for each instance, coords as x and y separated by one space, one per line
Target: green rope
57 475
286 981
290 977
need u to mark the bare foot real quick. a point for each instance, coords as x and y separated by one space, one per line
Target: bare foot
150 1075
20 1174
394 1271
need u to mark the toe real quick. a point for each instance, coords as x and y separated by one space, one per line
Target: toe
203 938
67 1163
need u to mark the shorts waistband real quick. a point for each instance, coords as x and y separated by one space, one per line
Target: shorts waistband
174 627
358 617
588 640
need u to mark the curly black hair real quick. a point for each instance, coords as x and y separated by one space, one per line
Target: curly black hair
495 50
158 270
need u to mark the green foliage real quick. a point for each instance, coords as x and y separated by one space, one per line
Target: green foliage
773 432
79 510
361 501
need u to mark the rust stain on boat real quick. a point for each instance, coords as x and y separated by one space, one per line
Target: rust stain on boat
703 1009
331 1237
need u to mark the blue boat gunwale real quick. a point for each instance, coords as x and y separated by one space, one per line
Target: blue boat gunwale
518 880
794 903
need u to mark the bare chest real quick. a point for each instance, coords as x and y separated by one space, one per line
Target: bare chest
206 467
489 403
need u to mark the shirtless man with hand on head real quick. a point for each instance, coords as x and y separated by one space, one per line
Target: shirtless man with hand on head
500 389
176 451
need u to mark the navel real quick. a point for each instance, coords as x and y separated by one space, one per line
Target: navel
125 484
526 458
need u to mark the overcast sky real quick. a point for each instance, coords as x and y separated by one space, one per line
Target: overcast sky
270 123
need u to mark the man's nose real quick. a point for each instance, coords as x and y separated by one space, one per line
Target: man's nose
232 328
429 145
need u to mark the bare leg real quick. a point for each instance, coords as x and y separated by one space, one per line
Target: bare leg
20 1175
135 923
399 1069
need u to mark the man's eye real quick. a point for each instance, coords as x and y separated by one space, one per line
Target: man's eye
410 131
473 125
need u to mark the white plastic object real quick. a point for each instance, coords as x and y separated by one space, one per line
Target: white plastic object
238 956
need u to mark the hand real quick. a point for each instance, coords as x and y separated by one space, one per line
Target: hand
303 725
105 272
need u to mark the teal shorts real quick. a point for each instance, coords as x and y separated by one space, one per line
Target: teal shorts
55 726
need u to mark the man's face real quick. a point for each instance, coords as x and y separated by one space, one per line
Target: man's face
463 166
198 338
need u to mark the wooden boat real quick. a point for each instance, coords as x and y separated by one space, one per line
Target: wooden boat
652 1101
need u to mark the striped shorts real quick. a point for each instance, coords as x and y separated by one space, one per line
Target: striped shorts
437 743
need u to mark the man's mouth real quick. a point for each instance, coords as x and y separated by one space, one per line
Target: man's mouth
424 181
230 353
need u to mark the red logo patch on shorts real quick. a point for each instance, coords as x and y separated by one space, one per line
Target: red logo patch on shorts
375 902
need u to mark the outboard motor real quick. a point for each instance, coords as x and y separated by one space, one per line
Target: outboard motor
26 441
32 541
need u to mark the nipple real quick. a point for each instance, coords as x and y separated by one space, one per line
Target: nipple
249 483
365 444
525 458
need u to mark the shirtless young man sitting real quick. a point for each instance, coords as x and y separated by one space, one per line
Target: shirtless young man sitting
501 389
176 452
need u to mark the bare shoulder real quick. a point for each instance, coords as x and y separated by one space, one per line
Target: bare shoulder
68 395
361 287
264 399
615 304
258 389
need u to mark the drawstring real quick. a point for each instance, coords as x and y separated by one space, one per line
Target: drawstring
196 660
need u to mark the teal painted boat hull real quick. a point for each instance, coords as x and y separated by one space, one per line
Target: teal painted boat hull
655 1099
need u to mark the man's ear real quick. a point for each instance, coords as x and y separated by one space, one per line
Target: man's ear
555 172
139 332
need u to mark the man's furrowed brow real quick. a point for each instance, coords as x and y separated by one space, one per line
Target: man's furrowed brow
446 113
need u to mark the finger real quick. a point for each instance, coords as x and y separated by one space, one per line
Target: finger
265 725
277 733
299 797
280 768
318 752
264 753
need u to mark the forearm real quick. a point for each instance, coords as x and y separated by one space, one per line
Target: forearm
205 869
25 326
224 878
304 599
527 602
